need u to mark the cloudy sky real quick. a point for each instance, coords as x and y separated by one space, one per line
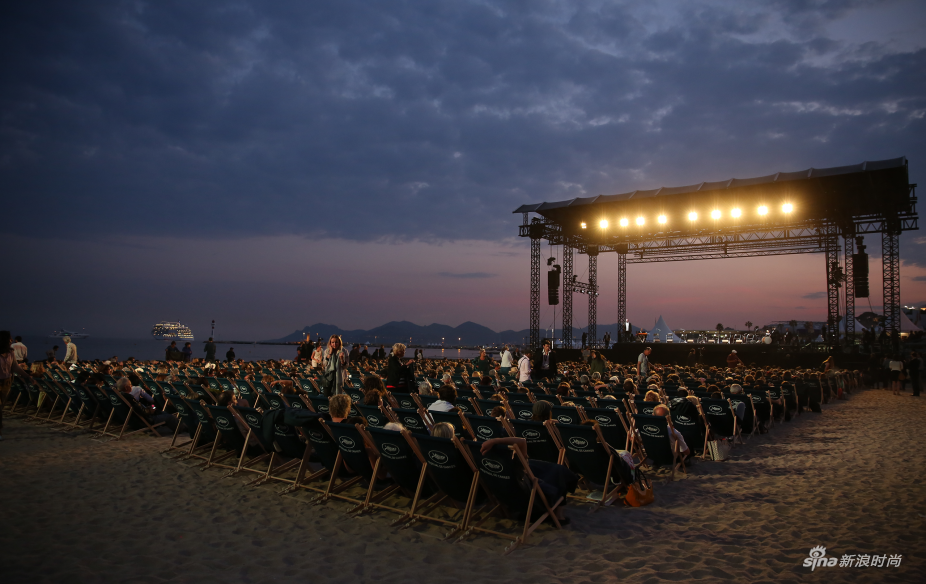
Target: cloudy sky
275 164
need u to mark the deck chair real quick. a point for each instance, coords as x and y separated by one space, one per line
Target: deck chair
247 391
566 414
404 401
485 427
156 393
400 457
693 433
455 419
456 479
749 424
612 424
323 449
91 406
520 411
485 406
411 419
307 385
542 443
205 431
319 404
590 456
352 445
228 437
720 420
255 421
373 415
653 431
424 401
188 416
287 452
762 403
54 392
128 414
75 406
465 405
501 474
105 406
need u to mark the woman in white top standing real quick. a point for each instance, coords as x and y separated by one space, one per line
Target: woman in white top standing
338 364
318 355
896 367
70 357
506 360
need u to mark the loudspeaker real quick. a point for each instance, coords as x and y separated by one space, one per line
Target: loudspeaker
860 274
553 285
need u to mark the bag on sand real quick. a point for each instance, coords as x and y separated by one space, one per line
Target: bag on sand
640 492
719 449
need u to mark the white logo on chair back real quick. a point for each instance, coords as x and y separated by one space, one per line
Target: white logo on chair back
316 435
530 434
346 442
564 419
648 411
373 420
603 420
438 456
322 409
484 431
408 405
650 430
252 418
181 408
526 414
683 419
756 398
715 409
390 449
114 399
578 442
412 422
491 465
201 416
223 423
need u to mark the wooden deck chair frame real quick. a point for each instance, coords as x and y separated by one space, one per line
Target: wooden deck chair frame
246 465
608 495
186 447
678 462
536 495
116 398
301 481
333 491
747 402
214 461
74 399
710 434
620 417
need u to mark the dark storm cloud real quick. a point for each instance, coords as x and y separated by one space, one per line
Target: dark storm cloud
427 119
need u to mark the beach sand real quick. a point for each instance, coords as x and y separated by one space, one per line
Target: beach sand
849 479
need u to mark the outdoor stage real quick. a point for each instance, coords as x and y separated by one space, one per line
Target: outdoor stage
716 355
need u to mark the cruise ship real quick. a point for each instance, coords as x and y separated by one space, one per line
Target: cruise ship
172 331
66 333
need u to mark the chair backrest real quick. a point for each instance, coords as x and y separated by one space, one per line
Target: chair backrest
323 445
719 415
644 407
274 400
105 405
227 427
187 413
521 411
464 405
486 427
306 384
120 408
566 415
685 421
447 466
373 415
255 420
319 403
405 401
499 472
453 419
540 444
246 391
398 456
749 412
287 439
225 384
206 425
654 432
611 424
585 454
411 419
352 447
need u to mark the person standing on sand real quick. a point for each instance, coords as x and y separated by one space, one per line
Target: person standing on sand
70 354
210 350
230 355
20 352
8 366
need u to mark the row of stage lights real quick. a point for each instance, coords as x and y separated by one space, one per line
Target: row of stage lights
693 216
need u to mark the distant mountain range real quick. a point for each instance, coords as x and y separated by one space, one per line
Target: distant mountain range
467 334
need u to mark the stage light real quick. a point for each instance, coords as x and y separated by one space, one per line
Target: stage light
624 222
662 219
715 214
692 216
583 225
763 210
787 207
604 224
736 213
640 221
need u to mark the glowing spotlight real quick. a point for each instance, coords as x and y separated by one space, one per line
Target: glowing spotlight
662 219
604 224
763 210
736 213
624 222
583 225
715 214
640 221
787 207
692 216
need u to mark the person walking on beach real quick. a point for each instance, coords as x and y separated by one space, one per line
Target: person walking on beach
70 353
524 367
20 352
643 363
210 350
335 362
8 366
545 365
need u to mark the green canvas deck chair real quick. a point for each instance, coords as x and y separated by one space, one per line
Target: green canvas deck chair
205 432
566 414
374 416
749 424
720 420
126 415
486 427
455 419
687 425
653 432
400 457
287 454
763 406
456 479
542 442
403 400
501 474
190 421
105 407
519 410
353 452
612 424
424 401
255 421
91 407
485 406
75 406
323 451
228 439
412 419
590 457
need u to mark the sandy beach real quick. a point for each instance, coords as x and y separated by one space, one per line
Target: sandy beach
849 479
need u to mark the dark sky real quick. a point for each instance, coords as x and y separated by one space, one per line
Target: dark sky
275 164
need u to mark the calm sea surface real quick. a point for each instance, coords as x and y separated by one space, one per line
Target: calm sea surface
149 349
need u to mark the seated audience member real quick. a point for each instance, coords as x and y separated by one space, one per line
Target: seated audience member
124 385
563 389
443 430
447 395
651 396
339 407
674 435
394 426
498 412
425 388
541 411
740 407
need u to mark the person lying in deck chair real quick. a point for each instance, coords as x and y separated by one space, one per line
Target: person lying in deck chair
145 408
555 479
674 435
